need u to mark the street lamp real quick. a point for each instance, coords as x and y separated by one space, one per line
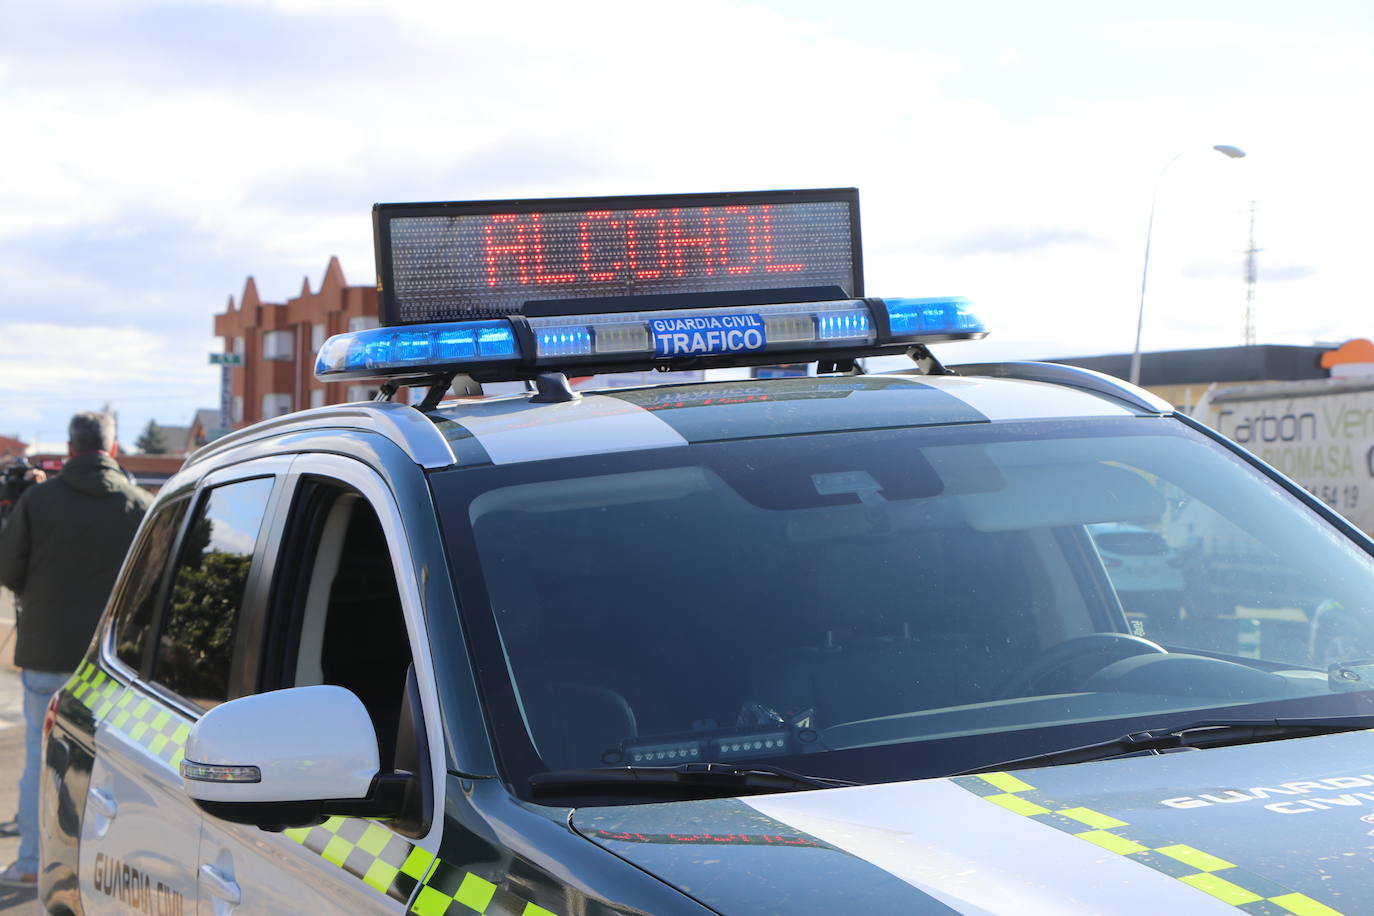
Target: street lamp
1230 152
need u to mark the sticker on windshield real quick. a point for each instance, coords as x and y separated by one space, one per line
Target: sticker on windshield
701 335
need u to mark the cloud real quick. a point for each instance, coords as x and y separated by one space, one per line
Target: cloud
60 360
1235 270
1286 274
182 46
228 536
511 161
176 149
1018 240
1205 34
52 371
140 269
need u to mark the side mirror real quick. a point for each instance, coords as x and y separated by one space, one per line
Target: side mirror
288 758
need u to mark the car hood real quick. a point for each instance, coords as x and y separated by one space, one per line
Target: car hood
1280 827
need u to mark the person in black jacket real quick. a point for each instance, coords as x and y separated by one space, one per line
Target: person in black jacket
60 551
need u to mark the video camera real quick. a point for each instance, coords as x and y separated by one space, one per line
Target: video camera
13 482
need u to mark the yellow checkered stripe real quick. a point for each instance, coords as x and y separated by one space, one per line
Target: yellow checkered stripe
451 891
369 852
389 864
158 728
95 688
1212 875
363 848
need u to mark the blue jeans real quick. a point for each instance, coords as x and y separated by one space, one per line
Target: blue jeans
39 687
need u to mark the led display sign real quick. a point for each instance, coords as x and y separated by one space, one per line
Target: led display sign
486 259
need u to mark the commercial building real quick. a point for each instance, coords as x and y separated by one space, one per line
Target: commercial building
1182 377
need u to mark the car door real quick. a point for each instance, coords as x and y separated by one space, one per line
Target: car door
343 608
140 834
97 686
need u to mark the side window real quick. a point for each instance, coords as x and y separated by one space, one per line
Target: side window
136 608
336 618
349 628
196 643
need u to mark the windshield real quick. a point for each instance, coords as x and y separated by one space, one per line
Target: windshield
883 605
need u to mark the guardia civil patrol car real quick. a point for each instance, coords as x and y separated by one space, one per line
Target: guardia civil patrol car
833 643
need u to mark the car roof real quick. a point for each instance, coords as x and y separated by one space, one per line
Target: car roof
516 428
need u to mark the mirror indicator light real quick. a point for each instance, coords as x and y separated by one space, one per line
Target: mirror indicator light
210 772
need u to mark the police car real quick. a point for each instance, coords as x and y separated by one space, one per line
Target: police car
840 643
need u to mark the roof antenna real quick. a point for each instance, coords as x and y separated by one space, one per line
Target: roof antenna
926 361
463 385
553 388
847 366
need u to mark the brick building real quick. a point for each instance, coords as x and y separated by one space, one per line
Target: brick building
278 342
11 448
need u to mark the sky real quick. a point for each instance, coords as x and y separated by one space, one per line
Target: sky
157 154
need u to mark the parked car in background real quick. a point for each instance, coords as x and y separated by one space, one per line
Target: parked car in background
1145 571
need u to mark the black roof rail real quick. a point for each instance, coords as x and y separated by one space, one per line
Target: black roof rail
1071 377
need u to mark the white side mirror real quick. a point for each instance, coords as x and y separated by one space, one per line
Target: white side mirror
301 744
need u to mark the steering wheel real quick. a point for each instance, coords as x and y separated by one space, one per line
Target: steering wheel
1110 647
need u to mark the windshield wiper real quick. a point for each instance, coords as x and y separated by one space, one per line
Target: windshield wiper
751 777
1193 736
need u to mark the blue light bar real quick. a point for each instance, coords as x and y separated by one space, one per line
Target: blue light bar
734 335
684 333
925 318
564 341
415 349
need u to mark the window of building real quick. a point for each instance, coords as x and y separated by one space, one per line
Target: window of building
317 397
274 405
239 346
316 337
362 322
278 345
195 647
236 410
137 602
361 392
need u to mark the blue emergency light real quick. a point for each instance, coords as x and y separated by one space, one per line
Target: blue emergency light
517 346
